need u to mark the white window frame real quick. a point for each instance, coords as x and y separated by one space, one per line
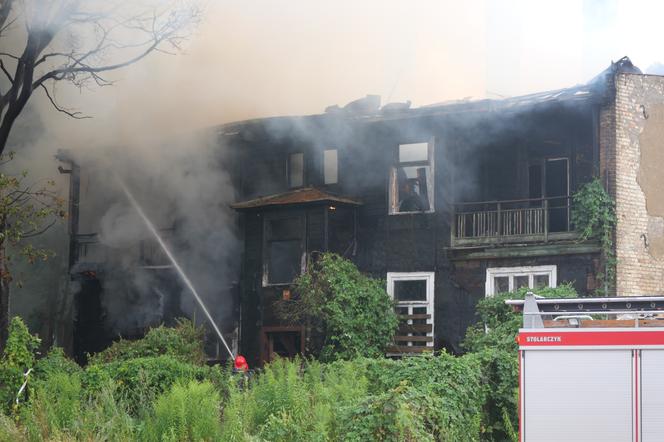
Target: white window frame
512 272
393 191
429 277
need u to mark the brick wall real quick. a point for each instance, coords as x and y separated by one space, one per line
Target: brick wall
640 267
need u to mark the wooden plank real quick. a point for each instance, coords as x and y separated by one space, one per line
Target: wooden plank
414 328
416 316
414 338
408 349
524 251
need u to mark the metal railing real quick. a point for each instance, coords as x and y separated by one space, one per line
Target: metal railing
534 218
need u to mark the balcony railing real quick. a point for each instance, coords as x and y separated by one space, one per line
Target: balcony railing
511 221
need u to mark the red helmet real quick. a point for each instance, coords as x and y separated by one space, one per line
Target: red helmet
241 363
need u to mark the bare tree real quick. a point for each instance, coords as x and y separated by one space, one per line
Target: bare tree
79 41
46 42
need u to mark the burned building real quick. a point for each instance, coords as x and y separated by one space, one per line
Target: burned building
448 203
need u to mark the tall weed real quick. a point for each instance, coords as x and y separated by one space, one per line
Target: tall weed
188 412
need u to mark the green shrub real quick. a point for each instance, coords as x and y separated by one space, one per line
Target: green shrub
9 431
57 412
292 401
17 357
446 391
183 342
493 341
348 314
391 416
141 380
54 407
55 362
188 412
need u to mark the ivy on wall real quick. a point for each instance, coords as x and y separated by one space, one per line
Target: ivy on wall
594 217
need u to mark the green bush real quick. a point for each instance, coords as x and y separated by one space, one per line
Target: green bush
419 398
141 380
17 357
9 431
188 412
493 341
347 314
57 411
55 362
292 401
394 415
183 342
446 391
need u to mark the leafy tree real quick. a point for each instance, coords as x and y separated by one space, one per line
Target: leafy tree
26 210
347 314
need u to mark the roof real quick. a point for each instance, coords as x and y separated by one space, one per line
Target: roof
593 91
306 195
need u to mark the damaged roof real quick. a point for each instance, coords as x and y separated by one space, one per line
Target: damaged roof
306 195
366 109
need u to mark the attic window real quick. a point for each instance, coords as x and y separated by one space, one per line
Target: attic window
411 179
330 166
296 169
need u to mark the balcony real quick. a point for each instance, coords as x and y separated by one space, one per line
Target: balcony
537 220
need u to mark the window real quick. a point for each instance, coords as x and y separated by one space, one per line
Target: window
283 255
411 179
296 169
330 166
413 297
509 279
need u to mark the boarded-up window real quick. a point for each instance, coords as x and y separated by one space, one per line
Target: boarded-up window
413 295
330 166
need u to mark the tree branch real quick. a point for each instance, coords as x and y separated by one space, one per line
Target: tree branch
74 114
6 72
5 9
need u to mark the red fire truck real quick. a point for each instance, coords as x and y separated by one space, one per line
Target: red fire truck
591 369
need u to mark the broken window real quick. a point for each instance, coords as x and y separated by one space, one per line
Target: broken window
413 295
341 230
330 166
283 255
411 179
296 169
509 279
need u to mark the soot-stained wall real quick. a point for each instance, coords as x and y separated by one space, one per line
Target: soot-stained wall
478 156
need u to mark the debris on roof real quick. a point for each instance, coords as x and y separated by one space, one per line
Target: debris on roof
306 195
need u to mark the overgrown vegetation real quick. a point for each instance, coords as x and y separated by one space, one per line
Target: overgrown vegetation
492 340
594 217
347 314
159 389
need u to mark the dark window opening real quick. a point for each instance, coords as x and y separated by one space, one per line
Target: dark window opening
296 169
340 230
284 248
330 166
557 191
410 290
283 342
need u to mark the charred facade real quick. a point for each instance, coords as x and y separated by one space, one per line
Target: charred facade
448 203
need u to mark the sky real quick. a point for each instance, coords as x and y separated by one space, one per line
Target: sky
263 58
